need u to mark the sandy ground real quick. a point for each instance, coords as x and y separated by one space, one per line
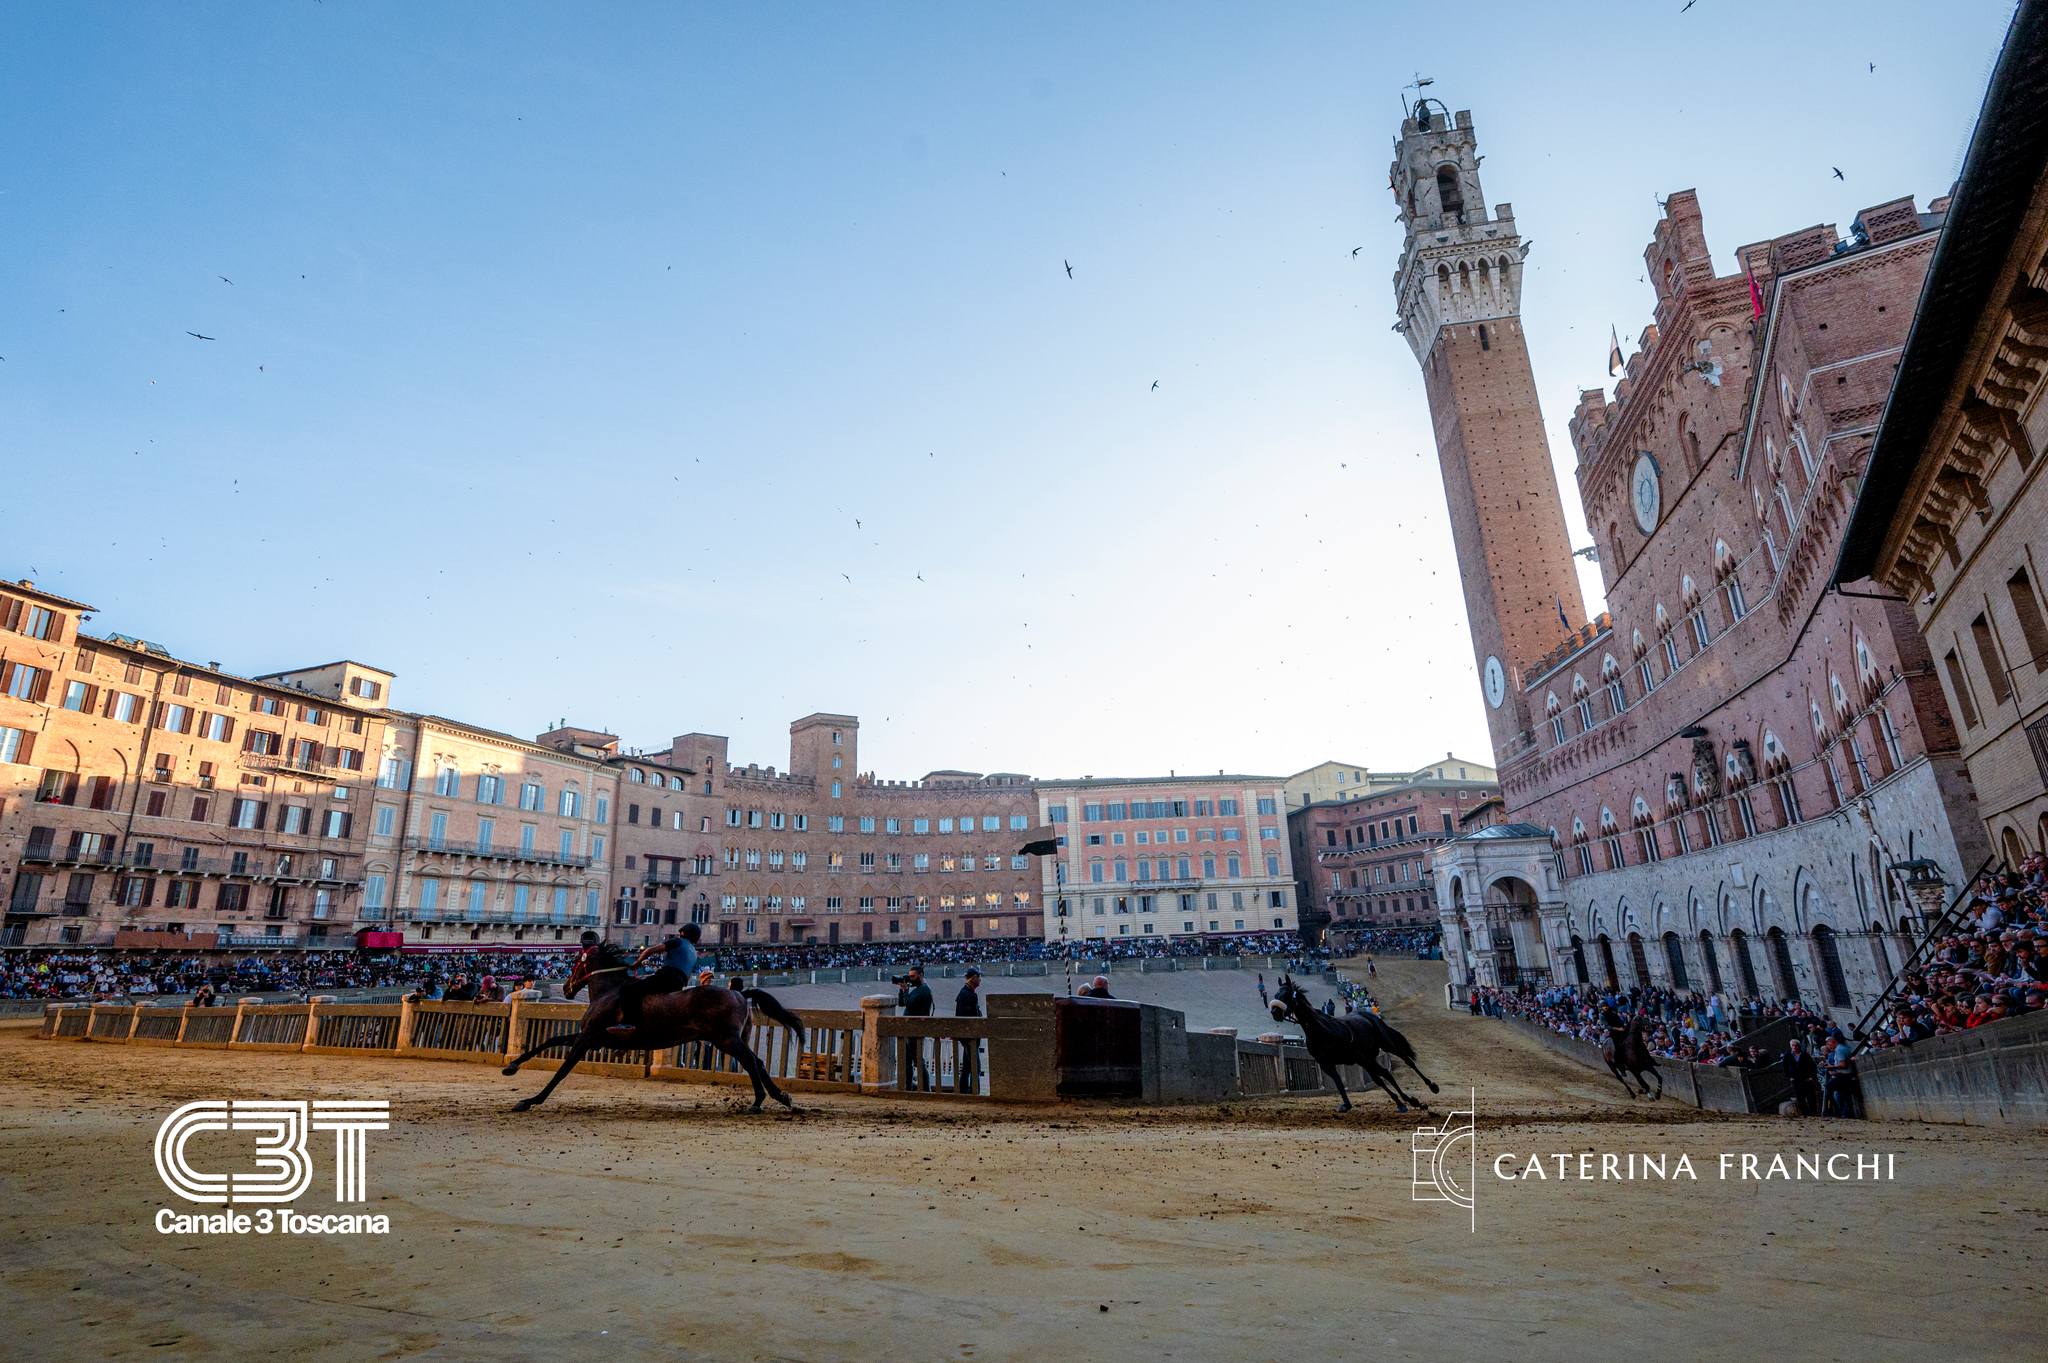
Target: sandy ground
630 1219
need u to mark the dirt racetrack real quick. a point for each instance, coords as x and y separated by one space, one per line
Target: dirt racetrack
636 1220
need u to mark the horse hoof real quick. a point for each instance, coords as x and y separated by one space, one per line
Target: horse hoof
1399 1108
523 1105
785 1100
509 1071
1432 1088
1343 1109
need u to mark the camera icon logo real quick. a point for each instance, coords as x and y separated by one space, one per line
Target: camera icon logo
1446 1158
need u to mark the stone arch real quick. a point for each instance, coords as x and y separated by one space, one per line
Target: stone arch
2011 847
1674 961
1827 961
1450 193
1778 956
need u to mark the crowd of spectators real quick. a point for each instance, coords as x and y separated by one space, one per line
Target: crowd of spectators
1993 965
1422 943
1701 1029
96 973
102 974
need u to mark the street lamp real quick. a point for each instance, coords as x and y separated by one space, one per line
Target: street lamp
1050 847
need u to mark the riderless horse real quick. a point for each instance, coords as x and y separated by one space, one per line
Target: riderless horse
1627 1048
703 1013
1358 1039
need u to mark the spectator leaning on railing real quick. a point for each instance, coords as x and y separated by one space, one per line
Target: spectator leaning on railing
1994 966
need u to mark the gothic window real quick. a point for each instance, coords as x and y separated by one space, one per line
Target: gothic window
1610 676
1806 461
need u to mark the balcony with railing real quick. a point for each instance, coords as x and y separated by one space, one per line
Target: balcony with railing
498 918
50 854
318 768
273 940
494 852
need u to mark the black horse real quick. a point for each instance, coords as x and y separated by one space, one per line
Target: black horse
705 1013
1357 1039
1627 1051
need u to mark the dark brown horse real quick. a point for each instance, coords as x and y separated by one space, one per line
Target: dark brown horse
1357 1039
1627 1051
704 1013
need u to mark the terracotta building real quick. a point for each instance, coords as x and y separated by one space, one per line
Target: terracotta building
822 852
1953 513
1166 856
1364 861
1729 767
150 800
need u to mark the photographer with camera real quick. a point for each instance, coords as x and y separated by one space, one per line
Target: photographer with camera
914 997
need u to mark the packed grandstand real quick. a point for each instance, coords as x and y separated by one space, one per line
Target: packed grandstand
96 973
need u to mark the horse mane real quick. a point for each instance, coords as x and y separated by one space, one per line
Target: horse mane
608 954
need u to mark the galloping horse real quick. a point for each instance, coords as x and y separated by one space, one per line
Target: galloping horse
1627 1049
1357 1039
703 1013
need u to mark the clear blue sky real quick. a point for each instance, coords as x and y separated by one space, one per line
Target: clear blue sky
567 343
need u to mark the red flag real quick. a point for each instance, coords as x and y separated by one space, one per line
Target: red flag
1756 298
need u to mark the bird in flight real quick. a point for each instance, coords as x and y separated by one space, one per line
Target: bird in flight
1837 170
920 577
848 577
1155 385
1355 250
1070 268
197 337
1687 5
856 522
225 280
1873 66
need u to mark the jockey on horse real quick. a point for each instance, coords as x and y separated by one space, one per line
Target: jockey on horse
678 971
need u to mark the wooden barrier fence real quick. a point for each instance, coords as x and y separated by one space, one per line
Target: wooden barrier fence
866 1050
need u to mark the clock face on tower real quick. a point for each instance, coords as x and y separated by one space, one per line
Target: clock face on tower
1646 492
1496 679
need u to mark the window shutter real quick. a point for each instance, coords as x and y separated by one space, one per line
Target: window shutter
156 715
92 695
248 739
6 678
262 811
347 822
13 613
27 750
42 686
148 892
313 751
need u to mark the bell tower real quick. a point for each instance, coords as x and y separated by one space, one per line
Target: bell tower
1459 291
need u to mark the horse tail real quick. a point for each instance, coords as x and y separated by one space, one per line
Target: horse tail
766 1002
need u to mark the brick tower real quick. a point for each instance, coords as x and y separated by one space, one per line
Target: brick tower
1459 292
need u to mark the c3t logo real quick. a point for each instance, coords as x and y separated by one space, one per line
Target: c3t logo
283 1168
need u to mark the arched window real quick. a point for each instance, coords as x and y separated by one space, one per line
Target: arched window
1448 191
1784 980
1674 958
1688 442
1745 969
1610 677
1834 984
1711 961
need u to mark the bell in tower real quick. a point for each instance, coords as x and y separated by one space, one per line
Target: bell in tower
1459 294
